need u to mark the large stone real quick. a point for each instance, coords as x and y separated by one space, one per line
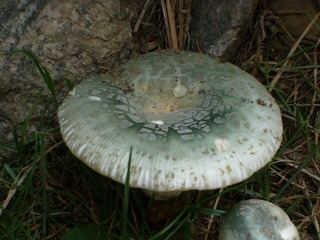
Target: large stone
218 27
71 38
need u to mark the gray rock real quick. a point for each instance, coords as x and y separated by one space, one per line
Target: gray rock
71 38
218 27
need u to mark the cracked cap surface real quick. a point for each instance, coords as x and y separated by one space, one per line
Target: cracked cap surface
193 123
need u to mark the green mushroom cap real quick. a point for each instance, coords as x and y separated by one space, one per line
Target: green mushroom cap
257 220
193 123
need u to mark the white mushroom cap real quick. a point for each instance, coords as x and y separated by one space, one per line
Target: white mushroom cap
257 220
219 128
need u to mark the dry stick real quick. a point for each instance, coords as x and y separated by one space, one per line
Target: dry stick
292 51
315 220
315 164
284 178
317 209
292 164
165 16
54 146
292 38
316 134
13 191
172 25
181 24
138 23
173 5
187 23
315 77
313 211
211 219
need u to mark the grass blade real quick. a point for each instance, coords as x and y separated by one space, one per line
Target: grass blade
170 226
293 177
41 68
43 181
206 211
124 232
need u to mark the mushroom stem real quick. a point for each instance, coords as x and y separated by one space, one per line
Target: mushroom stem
162 195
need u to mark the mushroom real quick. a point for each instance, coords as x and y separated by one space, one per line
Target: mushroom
193 123
257 220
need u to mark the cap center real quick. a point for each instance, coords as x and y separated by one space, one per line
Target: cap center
169 105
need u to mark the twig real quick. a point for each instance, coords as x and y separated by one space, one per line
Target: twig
315 79
211 219
181 24
54 146
138 23
187 22
314 209
303 170
290 36
12 191
165 16
284 178
292 51
172 25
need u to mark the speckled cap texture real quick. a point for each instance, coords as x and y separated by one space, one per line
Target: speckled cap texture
257 220
193 123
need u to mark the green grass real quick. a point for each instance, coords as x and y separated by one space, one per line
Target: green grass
46 77
51 194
